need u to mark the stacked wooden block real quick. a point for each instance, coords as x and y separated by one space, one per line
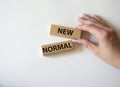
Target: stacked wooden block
61 31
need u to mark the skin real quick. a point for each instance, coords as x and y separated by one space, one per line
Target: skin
108 46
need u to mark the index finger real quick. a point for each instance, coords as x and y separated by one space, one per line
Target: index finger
96 31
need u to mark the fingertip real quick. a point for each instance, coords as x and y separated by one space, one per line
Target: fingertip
79 17
79 41
79 27
76 27
94 15
84 14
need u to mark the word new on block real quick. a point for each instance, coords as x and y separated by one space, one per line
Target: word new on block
57 47
66 32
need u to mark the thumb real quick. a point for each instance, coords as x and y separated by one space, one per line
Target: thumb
92 47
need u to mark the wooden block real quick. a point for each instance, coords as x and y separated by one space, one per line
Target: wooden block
66 32
54 48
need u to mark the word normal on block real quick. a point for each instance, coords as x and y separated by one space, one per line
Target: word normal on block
49 49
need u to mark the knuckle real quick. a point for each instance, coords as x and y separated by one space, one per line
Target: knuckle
91 25
112 32
107 34
90 22
104 33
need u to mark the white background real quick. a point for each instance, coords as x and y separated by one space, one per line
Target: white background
24 27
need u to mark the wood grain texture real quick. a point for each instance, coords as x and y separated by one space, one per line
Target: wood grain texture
66 32
58 47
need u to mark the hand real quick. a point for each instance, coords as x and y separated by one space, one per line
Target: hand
108 47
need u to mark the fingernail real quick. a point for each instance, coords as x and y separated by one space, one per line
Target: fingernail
77 27
79 41
94 15
79 17
76 41
84 14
